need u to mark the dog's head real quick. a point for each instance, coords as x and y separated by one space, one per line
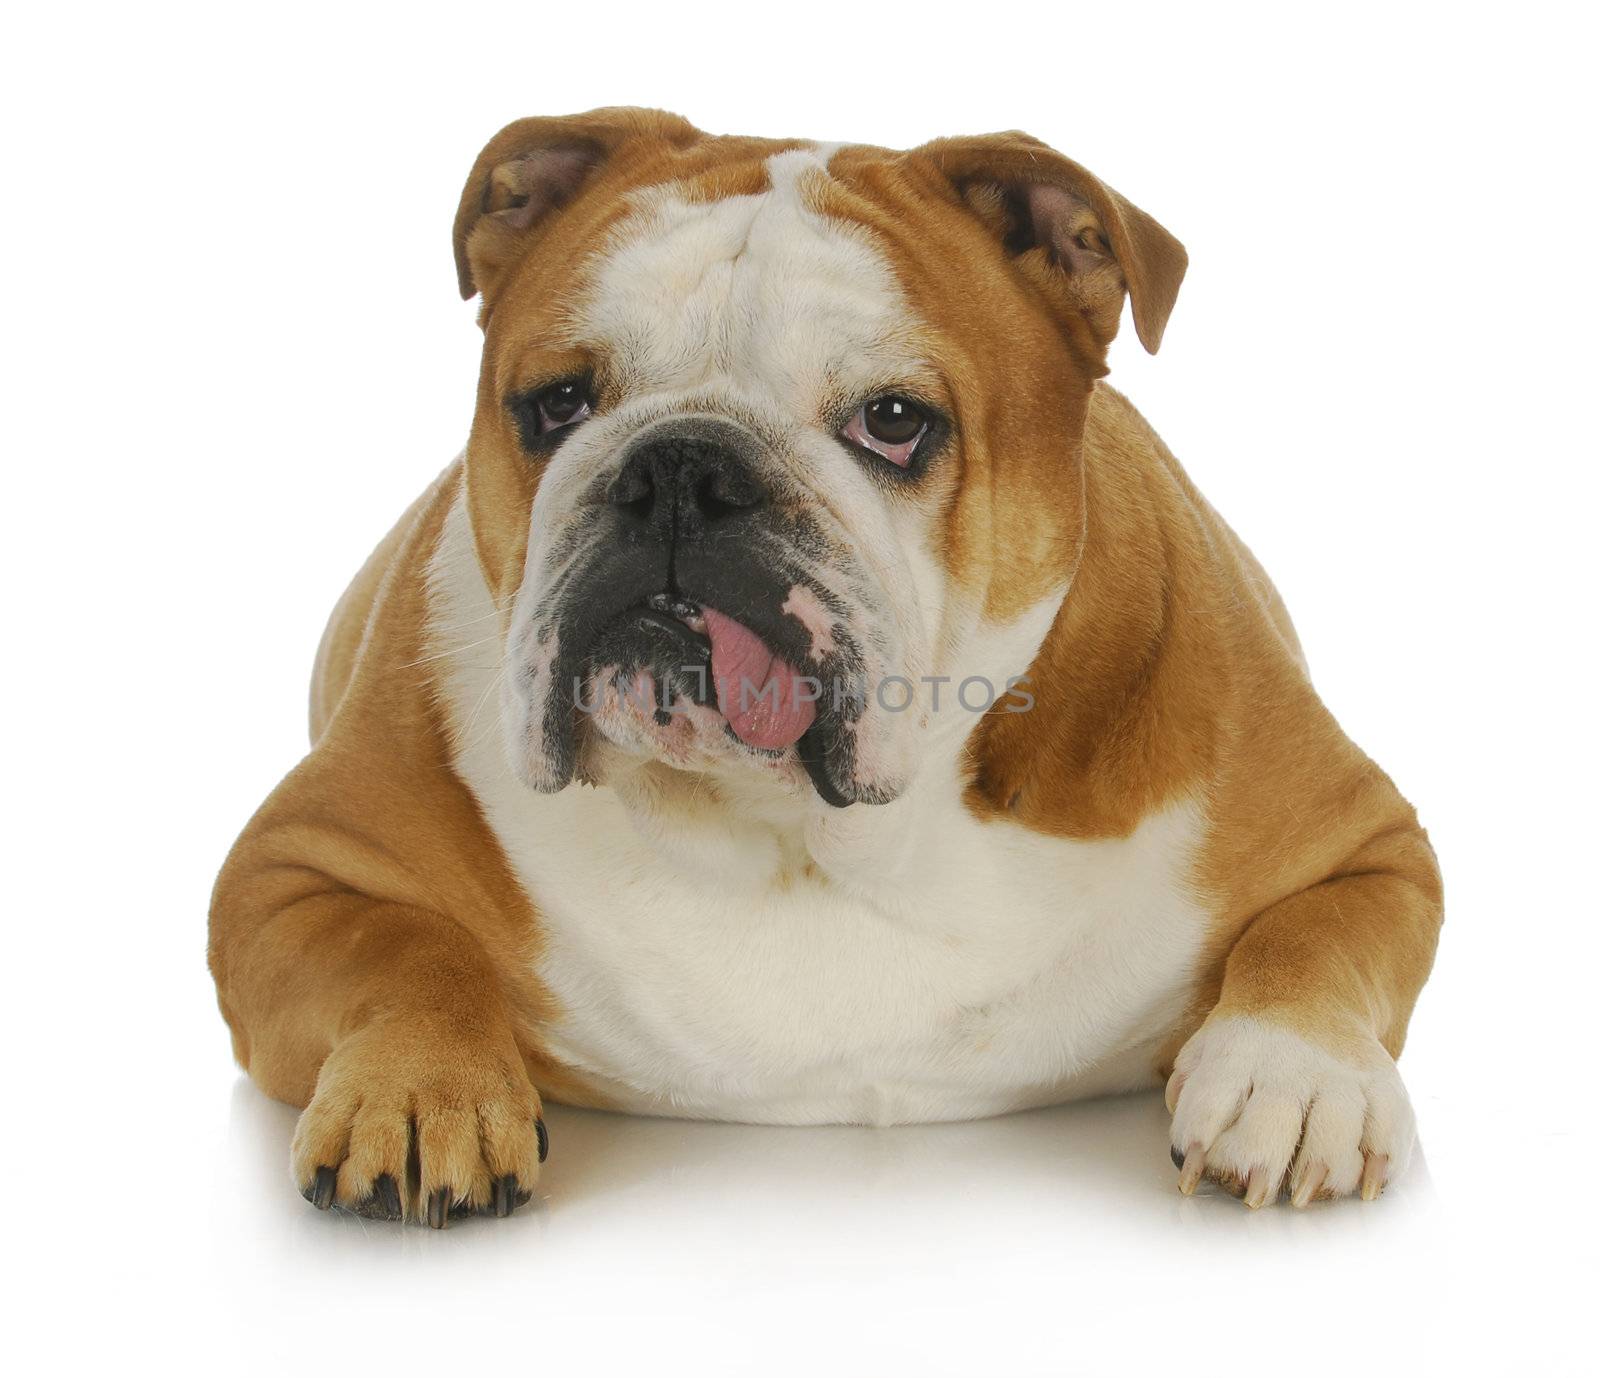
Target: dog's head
776 464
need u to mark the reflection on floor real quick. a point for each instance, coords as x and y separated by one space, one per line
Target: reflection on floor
1099 1166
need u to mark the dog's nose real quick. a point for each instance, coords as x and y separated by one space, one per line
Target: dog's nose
685 484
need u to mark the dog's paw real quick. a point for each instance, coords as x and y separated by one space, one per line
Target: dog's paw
406 1122
1259 1110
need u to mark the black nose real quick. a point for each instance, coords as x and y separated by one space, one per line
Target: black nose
686 484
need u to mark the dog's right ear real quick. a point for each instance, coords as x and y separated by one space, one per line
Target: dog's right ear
533 167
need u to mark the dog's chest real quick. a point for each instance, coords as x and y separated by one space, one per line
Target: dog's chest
1003 970
961 968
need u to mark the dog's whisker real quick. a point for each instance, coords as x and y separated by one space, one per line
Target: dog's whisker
497 611
449 651
466 741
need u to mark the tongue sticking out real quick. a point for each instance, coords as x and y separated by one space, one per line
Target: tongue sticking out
767 702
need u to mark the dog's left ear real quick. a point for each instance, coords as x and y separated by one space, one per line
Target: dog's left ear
1036 199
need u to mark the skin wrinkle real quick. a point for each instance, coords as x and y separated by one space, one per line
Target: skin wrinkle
870 559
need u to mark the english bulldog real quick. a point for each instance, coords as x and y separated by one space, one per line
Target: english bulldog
814 696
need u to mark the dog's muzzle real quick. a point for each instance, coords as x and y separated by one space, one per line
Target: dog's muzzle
690 577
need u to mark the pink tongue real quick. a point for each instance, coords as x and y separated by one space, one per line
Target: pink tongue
766 701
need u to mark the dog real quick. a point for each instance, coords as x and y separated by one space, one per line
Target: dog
815 696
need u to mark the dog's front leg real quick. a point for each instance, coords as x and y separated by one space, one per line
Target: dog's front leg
1291 1079
385 1022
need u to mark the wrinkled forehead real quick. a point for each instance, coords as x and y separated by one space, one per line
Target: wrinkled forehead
769 295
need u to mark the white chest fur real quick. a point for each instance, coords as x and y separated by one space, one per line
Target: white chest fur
980 968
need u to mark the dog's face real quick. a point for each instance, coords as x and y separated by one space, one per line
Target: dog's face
777 461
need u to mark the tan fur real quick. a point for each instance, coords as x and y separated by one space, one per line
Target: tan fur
367 940
341 641
373 955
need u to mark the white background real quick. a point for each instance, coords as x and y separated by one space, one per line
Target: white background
235 352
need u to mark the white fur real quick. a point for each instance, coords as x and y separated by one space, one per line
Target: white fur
748 295
940 968
1258 1098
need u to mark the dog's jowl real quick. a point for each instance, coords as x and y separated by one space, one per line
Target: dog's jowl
815 696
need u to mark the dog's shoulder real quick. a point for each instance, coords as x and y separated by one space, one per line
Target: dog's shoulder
346 631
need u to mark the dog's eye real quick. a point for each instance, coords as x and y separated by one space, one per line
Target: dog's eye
562 404
889 426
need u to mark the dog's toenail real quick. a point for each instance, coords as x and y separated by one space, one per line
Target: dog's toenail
439 1208
544 1139
322 1188
387 1195
505 1195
